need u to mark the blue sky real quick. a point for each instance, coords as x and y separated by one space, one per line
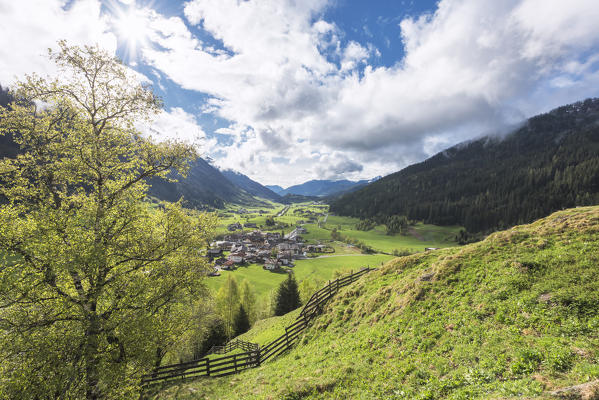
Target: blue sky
287 90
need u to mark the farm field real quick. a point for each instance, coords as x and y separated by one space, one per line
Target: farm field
231 215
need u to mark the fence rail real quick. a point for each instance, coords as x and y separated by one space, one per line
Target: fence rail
234 345
254 355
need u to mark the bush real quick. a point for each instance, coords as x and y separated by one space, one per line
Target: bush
559 360
366 225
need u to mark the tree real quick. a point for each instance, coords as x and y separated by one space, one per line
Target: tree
288 298
270 221
227 303
248 300
215 335
94 282
397 224
241 323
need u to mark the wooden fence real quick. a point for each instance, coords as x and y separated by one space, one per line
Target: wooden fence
254 355
234 345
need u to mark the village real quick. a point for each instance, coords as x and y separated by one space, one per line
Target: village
273 249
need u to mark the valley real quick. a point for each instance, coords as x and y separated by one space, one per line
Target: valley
318 225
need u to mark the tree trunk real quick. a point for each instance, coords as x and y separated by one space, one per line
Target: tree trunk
92 344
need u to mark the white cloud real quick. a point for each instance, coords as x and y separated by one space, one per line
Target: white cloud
30 27
353 54
176 124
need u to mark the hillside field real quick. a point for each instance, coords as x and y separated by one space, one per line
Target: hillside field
263 281
513 316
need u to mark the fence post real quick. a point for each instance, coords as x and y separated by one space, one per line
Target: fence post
207 367
337 285
235 361
287 337
259 356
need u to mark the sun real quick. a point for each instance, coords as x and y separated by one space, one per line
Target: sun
131 27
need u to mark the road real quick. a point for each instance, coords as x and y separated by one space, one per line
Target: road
283 211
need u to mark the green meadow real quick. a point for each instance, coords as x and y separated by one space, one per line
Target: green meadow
419 237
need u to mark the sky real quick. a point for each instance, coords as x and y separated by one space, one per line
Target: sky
286 91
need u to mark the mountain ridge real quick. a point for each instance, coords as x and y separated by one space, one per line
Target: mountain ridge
321 187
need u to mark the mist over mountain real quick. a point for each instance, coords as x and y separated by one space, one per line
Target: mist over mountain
550 163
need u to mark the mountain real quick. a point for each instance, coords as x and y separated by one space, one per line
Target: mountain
323 188
512 316
250 186
277 189
204 186
291 198
550 163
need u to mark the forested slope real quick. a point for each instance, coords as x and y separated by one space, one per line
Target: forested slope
550 163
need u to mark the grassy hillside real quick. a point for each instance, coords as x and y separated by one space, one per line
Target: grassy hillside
516 315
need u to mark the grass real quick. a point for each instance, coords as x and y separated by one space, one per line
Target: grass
267 330
513 316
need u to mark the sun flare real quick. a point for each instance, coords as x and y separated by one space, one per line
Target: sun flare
131 28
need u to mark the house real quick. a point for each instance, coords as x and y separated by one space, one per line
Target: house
285 257
220 261
214 252
271 264
431 248
239 248
222 244
234 227
283 246
250 225
237 258
228 265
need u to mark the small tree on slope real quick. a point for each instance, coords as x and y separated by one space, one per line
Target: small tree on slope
242 321
288 298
